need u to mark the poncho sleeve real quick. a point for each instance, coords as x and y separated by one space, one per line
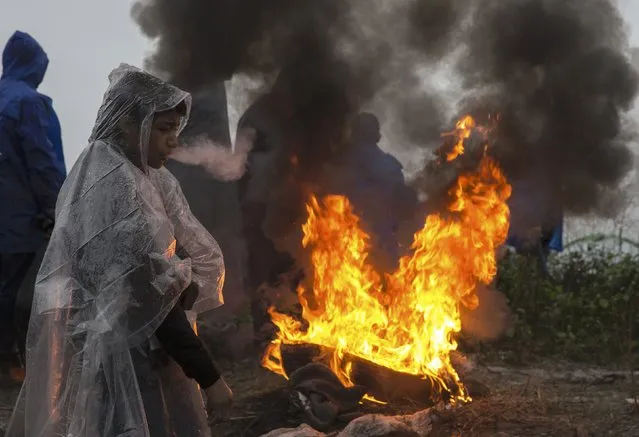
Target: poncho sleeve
111 259
195 243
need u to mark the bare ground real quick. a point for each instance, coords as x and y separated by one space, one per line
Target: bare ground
550 399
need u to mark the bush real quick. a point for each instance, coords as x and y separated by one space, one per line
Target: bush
586 310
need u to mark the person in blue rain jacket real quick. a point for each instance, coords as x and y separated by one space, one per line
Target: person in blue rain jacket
54 134
31 174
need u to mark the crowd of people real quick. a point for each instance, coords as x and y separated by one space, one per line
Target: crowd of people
103 271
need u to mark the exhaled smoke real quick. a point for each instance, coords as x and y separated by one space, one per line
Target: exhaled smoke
223 163
558 75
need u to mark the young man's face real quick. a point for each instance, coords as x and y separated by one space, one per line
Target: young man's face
164 137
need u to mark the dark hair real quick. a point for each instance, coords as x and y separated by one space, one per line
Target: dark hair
181 108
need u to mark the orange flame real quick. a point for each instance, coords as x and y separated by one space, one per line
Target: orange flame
463 130
407 322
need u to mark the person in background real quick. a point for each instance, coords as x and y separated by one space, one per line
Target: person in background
373 181
31 174
54 133
270 118
536 224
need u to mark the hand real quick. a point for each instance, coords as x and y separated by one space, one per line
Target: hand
49 229
45 225
219 398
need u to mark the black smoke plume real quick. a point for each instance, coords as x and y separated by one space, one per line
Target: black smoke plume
556 72
558 75
319 60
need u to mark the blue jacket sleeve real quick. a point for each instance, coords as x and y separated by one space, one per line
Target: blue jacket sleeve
54 133
557 240
44 175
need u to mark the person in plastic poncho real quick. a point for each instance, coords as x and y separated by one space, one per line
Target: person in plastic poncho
110 351
31 174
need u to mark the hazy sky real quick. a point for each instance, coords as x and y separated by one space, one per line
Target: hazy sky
85 39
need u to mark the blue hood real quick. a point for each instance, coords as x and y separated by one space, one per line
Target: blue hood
23 59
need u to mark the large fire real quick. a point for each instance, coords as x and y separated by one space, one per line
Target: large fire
406 321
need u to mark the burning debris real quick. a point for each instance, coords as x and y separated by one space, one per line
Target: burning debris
322 397
405 321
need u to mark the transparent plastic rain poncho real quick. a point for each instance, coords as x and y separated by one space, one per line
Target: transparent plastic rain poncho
124 249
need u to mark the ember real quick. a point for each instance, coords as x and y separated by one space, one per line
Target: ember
407 320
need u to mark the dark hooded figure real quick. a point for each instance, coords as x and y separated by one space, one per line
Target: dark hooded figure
31 174
374 183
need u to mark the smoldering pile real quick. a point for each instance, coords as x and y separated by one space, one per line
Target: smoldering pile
556 72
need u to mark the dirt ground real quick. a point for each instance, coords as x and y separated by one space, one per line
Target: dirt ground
548 400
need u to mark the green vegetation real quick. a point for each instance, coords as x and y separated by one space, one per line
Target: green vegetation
587 310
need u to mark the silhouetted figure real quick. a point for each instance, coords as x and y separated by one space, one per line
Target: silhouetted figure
374 183
271 117
536 223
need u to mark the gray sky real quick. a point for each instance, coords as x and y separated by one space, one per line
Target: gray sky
85 39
